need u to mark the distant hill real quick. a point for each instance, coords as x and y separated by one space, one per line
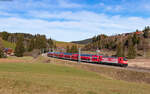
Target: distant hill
86 41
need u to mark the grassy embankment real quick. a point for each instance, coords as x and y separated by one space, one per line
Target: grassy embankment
42 78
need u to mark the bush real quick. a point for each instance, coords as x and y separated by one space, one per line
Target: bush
120 50
2 55
19 50
131 52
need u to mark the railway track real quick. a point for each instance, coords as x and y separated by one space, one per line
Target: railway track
137 69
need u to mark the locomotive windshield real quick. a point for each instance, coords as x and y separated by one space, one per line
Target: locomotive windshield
125 59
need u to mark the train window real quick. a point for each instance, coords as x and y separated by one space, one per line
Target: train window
94 57
120 59
124 59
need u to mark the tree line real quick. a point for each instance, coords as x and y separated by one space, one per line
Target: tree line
72 49
127 44
28 42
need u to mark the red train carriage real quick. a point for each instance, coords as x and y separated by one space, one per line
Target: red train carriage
61 55
96 58
75 57
86 57
121 61
50 54
90 58
56 54
68 56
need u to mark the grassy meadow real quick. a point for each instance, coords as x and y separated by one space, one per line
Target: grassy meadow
50 78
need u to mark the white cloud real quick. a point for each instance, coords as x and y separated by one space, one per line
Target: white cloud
81 25
110 8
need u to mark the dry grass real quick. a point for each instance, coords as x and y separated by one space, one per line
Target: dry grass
14 59
113 73
63 77
104 52
65 44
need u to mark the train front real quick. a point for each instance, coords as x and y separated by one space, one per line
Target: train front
123 61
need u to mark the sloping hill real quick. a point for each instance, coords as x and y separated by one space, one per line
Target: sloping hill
7 44
65 44
86 41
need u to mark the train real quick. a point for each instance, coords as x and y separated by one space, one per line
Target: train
91 58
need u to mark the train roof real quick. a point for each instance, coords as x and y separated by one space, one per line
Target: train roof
86 55
67 53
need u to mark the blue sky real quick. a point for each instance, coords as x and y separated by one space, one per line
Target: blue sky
71 20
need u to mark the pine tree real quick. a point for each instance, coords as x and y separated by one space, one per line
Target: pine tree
4 35
131 50
31 45
19 50
1 50
40 42
50 43
74 49
120 50
135 39
146 32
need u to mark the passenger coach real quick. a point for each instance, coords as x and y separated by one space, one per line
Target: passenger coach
99 59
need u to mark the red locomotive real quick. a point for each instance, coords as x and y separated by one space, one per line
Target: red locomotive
100 59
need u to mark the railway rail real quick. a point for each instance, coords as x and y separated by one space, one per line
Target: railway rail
137 69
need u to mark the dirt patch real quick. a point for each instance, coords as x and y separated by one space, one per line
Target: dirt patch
10 61
141 63
14 59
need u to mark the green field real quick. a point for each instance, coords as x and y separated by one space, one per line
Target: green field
40 78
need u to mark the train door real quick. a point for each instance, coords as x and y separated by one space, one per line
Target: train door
95 58
120 60
100 59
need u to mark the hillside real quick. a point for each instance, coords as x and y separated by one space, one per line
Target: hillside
86 41
129 45
7 44
61 44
